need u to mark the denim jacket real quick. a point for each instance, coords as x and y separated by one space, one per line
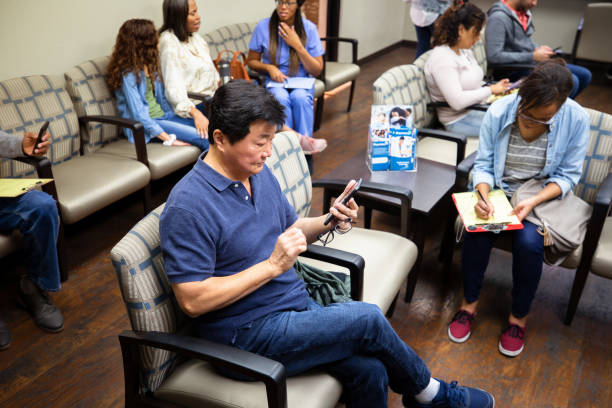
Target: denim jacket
132 104
567 143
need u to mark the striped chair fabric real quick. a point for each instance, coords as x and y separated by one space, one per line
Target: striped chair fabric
234 37
598 160
138 262
91 96
25 103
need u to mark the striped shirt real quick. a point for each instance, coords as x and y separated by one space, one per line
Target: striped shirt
524 160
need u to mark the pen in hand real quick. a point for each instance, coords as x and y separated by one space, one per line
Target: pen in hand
486 205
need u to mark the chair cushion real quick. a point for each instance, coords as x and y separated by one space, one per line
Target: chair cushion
10 242
26 103
443 151
388 260
291 170
86 184
602 261
163 160
319 88
196 384
91 96
337 73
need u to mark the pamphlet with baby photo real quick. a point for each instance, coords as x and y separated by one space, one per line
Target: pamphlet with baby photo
392 139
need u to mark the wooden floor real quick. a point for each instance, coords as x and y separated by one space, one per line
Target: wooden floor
560 367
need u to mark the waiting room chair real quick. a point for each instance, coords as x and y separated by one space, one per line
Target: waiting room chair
92 98
177 368
590 41
595 187
85 183
337 73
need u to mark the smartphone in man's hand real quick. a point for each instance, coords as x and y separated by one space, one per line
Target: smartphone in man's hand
41 132
345 200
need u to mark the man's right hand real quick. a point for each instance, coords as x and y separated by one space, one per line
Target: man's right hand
289 245
29 139
542 53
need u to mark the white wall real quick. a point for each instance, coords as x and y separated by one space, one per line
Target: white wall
51 36
375 23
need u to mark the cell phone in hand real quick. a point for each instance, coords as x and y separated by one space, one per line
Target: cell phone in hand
558 50
41 132
515 84
345 200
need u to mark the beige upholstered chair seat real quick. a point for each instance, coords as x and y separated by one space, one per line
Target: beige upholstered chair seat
10 242
444 151
196 384
319 88
337 73
163 160
384 254
602 261
88 183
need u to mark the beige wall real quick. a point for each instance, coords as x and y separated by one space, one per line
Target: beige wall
376 24
50 36
555 21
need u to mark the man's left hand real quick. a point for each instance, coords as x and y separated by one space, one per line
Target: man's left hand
342 212
29 139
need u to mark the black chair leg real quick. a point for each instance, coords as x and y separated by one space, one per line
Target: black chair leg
319 112
61 254
367 218
146 199
389 313
351 96
579 281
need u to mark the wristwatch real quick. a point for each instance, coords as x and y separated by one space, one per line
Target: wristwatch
170 141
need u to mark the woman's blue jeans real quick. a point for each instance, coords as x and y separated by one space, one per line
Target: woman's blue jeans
527 261
35 215
183 128
352 341
468 125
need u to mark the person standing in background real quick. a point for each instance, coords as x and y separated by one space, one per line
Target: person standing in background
424 14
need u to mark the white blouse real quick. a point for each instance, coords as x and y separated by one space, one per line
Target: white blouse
186 67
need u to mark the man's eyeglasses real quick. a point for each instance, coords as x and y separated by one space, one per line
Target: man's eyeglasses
327 237
286 3
539 122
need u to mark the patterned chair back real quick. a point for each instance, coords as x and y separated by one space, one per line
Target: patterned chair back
598 160
138 261
91 96
234 37
480 53
405 85
25 104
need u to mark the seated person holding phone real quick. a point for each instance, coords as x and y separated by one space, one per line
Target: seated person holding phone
452 73
508 34
230 238
35 215
540 134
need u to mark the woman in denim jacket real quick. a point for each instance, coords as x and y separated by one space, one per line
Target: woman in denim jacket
537 134
133 74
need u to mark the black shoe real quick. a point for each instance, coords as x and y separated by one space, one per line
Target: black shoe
36 301
5 335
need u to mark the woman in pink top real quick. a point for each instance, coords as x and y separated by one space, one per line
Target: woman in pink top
452 72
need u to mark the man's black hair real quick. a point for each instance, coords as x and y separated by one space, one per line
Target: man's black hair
239 103
175 18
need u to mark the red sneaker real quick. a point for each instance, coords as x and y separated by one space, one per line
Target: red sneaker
460 327
512 340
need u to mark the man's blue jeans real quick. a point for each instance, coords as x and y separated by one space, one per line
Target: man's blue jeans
35 215
581 76
527 261
352 341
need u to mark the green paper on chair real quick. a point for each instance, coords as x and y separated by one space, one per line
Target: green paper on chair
14 187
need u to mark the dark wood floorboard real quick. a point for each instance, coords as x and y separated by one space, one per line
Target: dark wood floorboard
560 367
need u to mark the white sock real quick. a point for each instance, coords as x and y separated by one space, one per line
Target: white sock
429 393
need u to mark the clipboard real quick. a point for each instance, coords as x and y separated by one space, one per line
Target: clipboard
14 187
501 220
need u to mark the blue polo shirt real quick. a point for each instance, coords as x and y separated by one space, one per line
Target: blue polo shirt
260 42
211 226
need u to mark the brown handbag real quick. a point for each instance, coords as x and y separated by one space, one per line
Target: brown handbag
237 64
